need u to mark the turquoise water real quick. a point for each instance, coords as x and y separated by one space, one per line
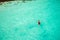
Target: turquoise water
19 21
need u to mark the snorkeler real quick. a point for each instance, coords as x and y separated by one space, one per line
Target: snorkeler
38 22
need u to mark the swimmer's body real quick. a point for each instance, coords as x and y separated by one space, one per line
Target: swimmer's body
38 22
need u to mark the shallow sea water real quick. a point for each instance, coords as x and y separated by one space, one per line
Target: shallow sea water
19 21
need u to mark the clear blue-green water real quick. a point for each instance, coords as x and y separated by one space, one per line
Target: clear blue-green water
19 21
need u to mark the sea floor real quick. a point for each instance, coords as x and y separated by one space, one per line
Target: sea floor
19 20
